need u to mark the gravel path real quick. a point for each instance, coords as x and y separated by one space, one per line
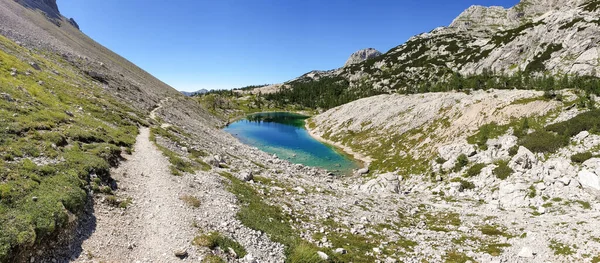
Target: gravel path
157 224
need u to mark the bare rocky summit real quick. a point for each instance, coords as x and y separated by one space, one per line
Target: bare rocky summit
362 55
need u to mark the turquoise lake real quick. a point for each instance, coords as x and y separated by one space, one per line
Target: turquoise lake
283 134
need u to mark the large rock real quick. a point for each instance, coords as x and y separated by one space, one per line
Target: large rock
383 184
452 151
523 160
589 180
513 194
362 55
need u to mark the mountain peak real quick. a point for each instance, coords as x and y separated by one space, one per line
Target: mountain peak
362 55
47 6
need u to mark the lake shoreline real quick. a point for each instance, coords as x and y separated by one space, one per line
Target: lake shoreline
364 160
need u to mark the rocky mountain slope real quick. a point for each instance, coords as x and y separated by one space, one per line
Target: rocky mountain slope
534 37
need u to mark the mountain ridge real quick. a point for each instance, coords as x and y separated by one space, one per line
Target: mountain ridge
533 37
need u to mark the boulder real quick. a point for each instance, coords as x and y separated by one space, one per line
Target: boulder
181 253
322 255
589 180
592 165
582 135
449 152
362 171
526 252
383 184
513 194
362 55
7 97
249 259
246 176
523 160
35 66
340 251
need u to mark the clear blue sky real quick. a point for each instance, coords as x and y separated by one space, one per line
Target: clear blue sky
217 44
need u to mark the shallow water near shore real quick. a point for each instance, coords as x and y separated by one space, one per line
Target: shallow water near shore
283 134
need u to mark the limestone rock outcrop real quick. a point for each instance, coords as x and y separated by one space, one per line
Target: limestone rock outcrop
362 55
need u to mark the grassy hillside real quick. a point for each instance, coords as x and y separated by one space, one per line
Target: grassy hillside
61 134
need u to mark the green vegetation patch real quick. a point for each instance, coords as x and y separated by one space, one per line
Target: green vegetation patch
571 23
258 215
581 157
62 119
213 240
502 171
505 37
461 162
494 249
561 248
324 93
179 165
490 230
486 132
544 141
537 64
591 6
475 169
457 257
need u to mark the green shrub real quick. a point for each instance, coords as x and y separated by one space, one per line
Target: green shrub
486 132
544 141
502 171
475 169
461 161
466 185
532 192
581 157
512 151
587 121
584 204
490 230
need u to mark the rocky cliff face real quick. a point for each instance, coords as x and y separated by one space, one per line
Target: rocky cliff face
47 6
362 55
534 37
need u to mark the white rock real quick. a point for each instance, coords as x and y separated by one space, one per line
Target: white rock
362 171
541 210
526 252
322 255
582 135
589 180
565 180
246 176
300 190
512 195
340 251
249 259
523 160
384 183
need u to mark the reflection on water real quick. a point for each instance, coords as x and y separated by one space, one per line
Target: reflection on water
283 134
